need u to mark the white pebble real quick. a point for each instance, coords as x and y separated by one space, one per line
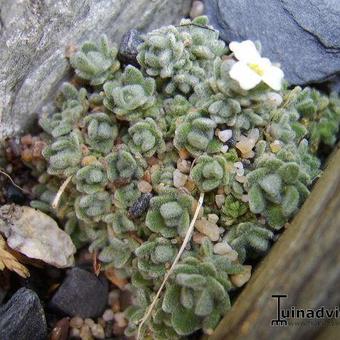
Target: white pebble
222 248
76 322
197 9
225 135
120 319
207 228
239 280
213 218
219 200
239 168
183 166
224 148
89 322
179 179
108 315
98 331
275 99
144 186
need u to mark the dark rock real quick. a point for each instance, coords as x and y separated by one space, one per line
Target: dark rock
140 206
22 317
34 35
303 36
128 48
82 293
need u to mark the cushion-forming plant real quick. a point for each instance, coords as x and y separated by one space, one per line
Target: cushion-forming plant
139 145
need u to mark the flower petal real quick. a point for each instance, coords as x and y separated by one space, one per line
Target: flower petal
245 76
245 51
273 77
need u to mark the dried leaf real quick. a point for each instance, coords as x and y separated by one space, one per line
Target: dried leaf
113 278
7 260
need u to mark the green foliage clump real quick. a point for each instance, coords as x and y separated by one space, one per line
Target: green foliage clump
132 97
101 132
122 165
169 213
321 116
279 183
197 295
210 172
64 154
154 257
95 62
146 138
249 237
91 178
137 147
196 135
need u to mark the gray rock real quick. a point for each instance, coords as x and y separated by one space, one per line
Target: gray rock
36 235
33 37
303 36
82 293
128 48
22 317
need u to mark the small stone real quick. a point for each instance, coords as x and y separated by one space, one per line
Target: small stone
108 315
120 319
81 294
213 218
179 179
274 99
98 331
275 146
198 238
74 333
239 168
76 322
197 9
89 322
128 48
144 186
239 280
85 333
225 135
224 148
245 145
22 317
223 248
183 166
140 206
219 200
87 160
245 198
240 179
208 228
36 235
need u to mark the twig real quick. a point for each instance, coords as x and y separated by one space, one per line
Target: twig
185 242
57 197
16 185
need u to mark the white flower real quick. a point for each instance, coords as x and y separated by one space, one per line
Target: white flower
251 68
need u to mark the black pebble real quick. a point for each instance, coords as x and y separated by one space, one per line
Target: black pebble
128 48
22 317
140 206
82 293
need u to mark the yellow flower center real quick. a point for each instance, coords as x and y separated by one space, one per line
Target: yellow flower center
257 68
